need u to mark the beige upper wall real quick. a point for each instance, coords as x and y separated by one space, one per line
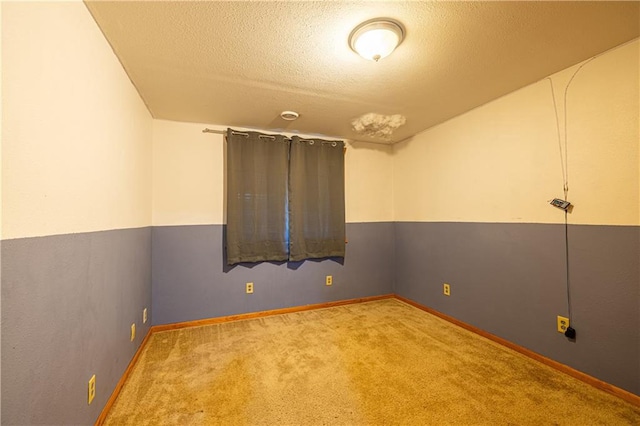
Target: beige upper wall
76 146
501 162
188 174
76 137
189 177
368 182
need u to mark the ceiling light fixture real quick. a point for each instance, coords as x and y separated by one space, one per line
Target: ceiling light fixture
289 115
376 38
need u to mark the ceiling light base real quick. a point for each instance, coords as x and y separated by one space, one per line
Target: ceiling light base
289 115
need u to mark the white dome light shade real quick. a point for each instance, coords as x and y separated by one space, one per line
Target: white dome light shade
376 39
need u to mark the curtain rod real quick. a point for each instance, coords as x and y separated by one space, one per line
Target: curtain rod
224 132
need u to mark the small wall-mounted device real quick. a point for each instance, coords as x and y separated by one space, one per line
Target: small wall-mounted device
561 204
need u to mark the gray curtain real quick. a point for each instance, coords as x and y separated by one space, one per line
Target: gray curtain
316 199
257 167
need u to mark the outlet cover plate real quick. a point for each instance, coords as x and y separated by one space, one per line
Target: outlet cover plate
446 289
92 389
563 323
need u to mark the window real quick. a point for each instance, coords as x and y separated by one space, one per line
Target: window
285 198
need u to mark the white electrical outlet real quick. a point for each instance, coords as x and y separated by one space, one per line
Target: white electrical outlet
133 331
144 316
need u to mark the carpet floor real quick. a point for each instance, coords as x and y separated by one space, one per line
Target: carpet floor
375 363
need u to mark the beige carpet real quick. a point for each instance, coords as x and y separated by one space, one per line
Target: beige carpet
376 363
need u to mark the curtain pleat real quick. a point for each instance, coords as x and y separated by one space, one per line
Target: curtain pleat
257 169
316 199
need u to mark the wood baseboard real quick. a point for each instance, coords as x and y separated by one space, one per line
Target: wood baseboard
123 379
590 380
253 315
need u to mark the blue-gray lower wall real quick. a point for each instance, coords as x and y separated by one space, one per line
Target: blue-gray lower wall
509 280
68 302
191 280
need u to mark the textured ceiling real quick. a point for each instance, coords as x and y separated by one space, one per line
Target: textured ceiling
242 63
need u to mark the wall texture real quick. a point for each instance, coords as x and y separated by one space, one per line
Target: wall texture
470 205
76 201
68 304
190 277
192 281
